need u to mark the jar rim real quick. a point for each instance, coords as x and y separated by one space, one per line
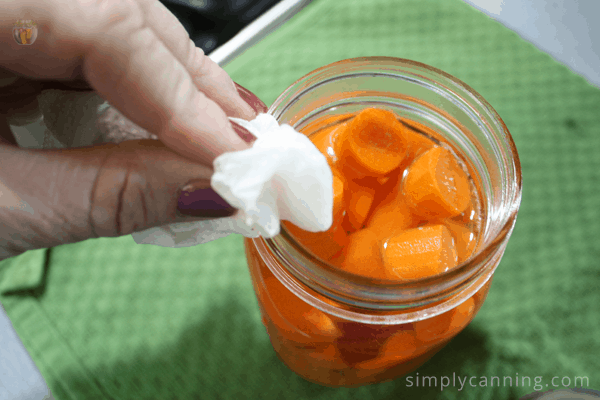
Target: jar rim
454 280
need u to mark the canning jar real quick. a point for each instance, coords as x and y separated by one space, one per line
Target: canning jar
336 328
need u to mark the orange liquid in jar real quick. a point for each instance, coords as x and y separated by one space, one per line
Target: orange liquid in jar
405 208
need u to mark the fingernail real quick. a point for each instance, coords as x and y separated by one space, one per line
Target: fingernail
198 199
250 98
243 133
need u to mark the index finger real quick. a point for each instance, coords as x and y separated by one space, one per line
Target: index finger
111 45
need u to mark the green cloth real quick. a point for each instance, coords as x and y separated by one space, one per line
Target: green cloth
125 321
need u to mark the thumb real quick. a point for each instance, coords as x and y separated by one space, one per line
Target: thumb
52 197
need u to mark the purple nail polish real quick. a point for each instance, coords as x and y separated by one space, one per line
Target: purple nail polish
203 202
243 133
257 105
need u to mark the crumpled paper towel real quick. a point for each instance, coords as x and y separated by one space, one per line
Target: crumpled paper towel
281 177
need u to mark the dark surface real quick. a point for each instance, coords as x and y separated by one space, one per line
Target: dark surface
211 23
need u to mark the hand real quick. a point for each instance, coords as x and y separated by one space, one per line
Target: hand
137 56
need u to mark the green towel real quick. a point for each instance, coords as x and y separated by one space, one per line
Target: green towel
118 320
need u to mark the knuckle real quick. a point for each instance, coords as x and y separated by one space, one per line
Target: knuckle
120 194
180 94
106 15
194 57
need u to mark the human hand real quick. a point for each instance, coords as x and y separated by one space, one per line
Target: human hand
137 56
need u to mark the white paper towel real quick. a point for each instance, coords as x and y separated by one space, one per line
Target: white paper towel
282 176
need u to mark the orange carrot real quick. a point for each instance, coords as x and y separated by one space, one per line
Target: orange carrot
391 218
324 245
359 205
399 348
464 239
417 139
363 255
296 320
327 141
447 324
360 342
384 192
382 180
471 214
339 186
419 252
436 186
461 315
329 243
373 145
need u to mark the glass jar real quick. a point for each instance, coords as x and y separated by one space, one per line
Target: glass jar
339 329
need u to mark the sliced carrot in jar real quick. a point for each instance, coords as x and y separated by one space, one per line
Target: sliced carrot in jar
400 347
416 138
445 325
419 252
382 180
324 245
461 315
329 356
482 293
360 201
363 255
373 145
339 192
329 243
390 219
361 342
464 239
471 214
327 142
436 186
296 320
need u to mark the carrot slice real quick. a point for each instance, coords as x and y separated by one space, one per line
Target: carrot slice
400 347
417 139
361 342
322 140
296 320
471 214
312 362
327 141
447 324
382 180
391 218
461 315
374 144
324 245
419 252
339 186
464 239
436 186
363 255
359 204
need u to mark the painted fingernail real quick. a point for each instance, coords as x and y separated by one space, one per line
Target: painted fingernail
257 105
243 133
198 199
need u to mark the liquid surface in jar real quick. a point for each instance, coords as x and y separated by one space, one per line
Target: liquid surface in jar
405 206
